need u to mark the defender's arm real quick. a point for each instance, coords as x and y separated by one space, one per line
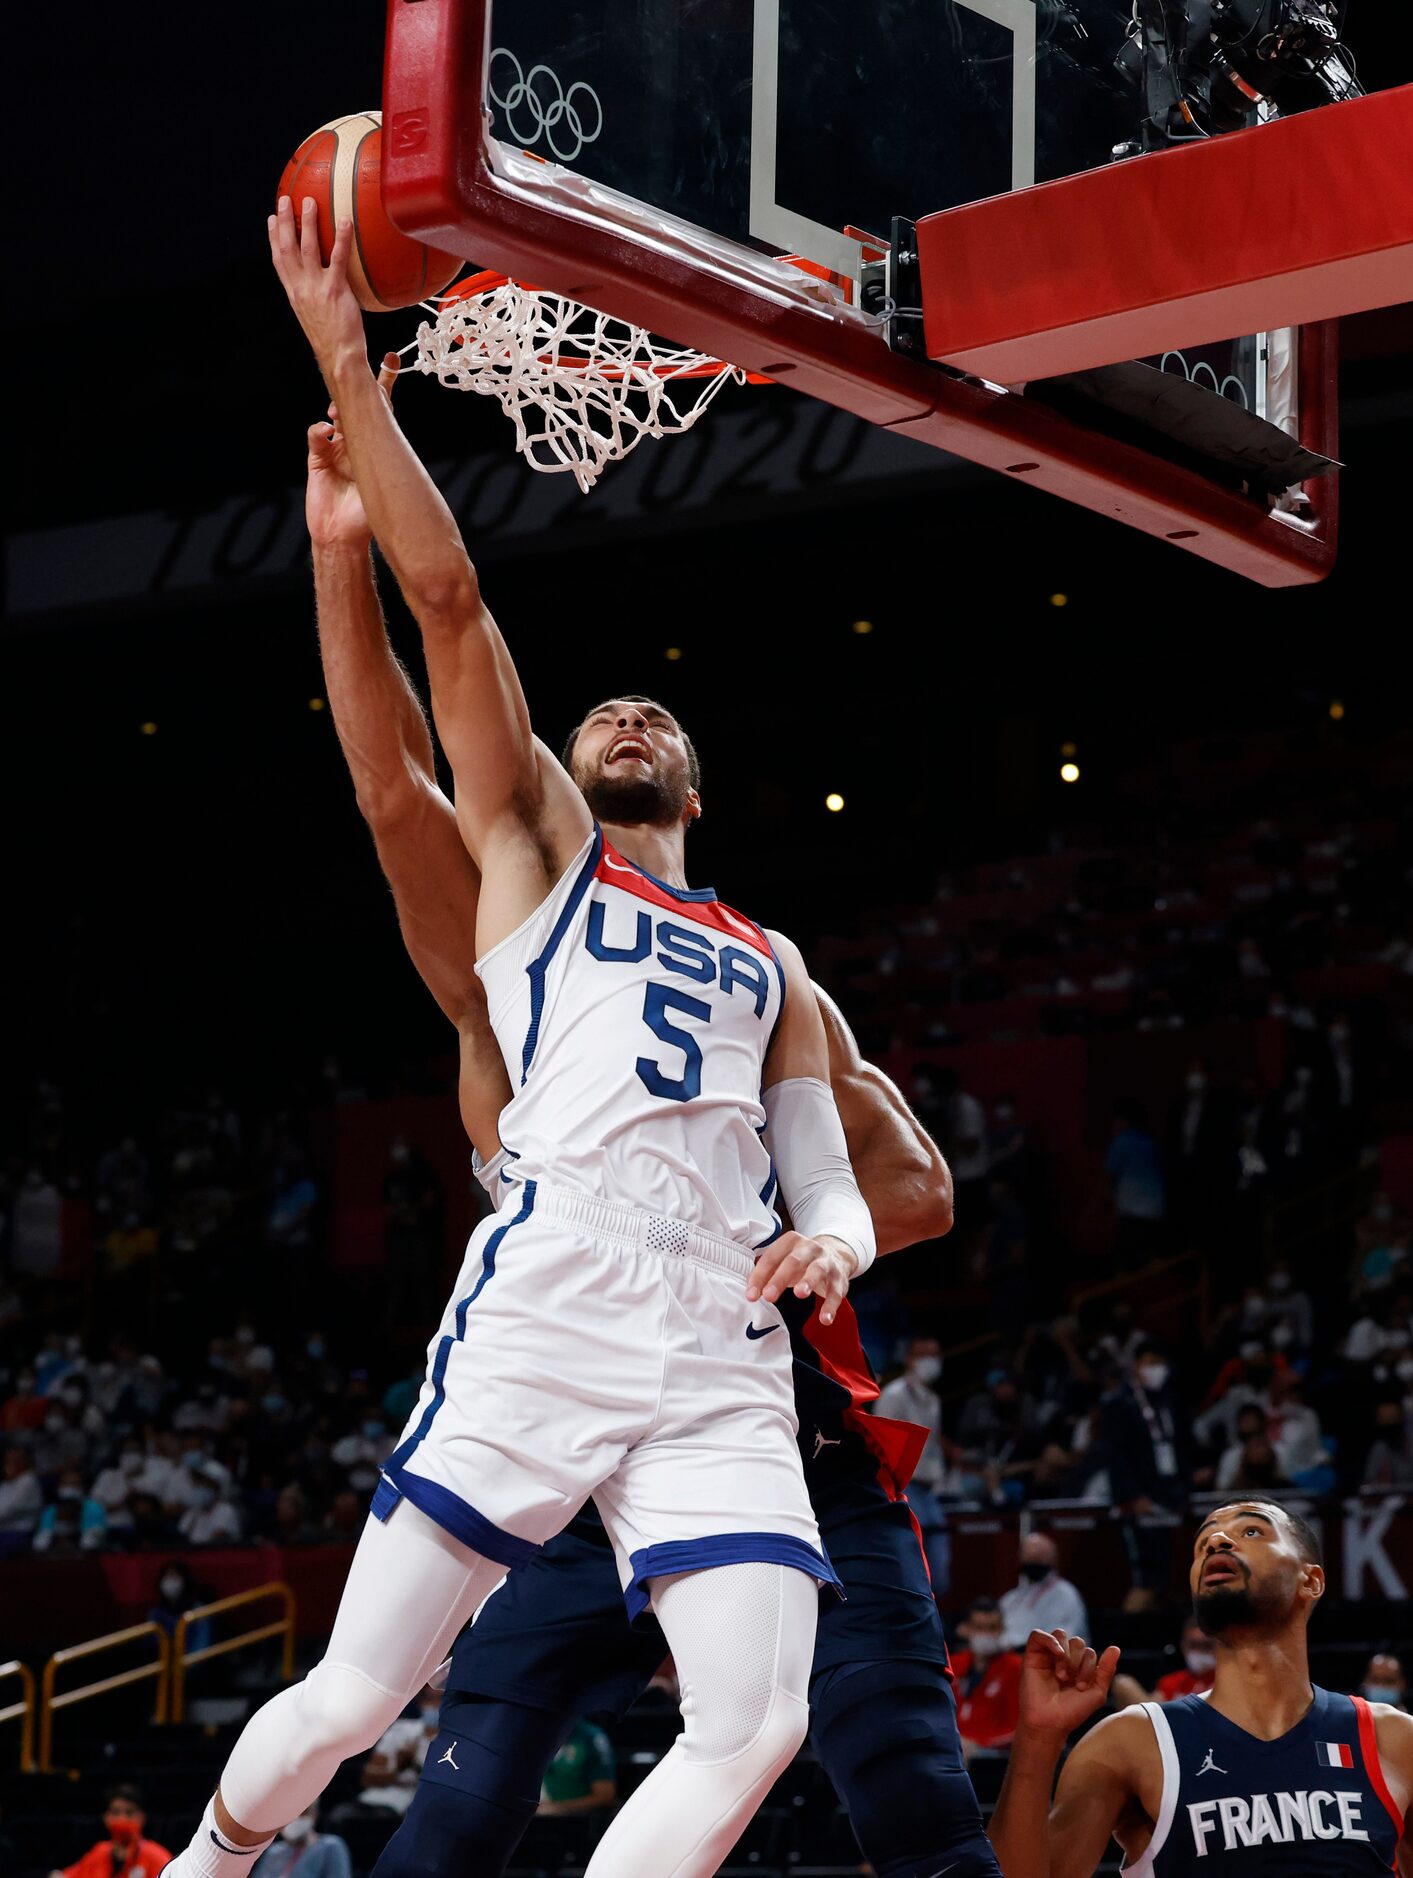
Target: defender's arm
900 1169
1393 1731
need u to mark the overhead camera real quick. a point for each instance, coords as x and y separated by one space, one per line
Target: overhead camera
1210 66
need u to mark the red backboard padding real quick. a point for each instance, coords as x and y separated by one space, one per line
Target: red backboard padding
1295 221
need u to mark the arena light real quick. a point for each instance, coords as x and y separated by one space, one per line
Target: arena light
1336 710
1069 749
1069 772
833 802
149 729
863 627
673 653
1059 599
316 704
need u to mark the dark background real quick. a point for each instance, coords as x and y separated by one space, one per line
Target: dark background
205 896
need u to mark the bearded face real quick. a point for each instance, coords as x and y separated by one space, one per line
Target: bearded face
634 766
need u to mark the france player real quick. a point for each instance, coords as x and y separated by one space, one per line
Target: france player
555 1641
1267 1774
669 1067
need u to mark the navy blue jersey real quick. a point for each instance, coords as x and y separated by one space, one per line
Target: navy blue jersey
834 1387
1312 1804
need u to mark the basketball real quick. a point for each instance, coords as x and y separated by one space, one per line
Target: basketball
341 166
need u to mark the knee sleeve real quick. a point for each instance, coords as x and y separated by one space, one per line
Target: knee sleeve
277 1767
886 1735
742 1637
479 1790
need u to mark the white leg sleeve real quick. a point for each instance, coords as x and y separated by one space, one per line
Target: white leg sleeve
742 1637
410 1589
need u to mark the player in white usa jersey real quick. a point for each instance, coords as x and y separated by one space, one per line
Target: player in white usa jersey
601 1339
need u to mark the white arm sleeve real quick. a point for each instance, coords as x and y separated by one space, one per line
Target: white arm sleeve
806 1137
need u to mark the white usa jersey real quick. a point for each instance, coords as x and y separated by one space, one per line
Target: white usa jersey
634 1019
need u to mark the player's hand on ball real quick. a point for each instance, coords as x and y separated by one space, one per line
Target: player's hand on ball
1063 1682
321 296
333 508
820 1268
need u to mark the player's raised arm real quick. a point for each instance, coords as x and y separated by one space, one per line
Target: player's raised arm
899 1167
505 782
1062 1684
834 1239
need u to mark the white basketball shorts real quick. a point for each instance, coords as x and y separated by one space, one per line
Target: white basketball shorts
592 1349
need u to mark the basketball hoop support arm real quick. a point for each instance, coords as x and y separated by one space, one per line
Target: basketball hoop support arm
560 230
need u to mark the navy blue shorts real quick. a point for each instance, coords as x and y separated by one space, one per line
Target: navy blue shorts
556 1635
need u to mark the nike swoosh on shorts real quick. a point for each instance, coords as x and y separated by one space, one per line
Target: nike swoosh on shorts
753 1333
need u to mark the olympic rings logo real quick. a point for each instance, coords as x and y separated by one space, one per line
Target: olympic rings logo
1231 388
545 106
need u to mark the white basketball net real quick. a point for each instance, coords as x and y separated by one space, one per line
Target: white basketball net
582 389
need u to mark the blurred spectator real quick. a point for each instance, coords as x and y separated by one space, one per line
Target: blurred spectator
1138 1446
124 1179
1384 1680
177 1593
24 1411
317 1854
60 1442
1297 1437
130 1247
72 1522
36 1226
582 1776
987 1677
294 1197
1202 1138
1289 1307
1246 1380
124 1853
292 1524
1043 1600
113 1487
912 1397
998 1435
344 1519
1135 1169
1389 1462
212 1519
150 1529
21 1496
1251 1426
388 1778
1198 1672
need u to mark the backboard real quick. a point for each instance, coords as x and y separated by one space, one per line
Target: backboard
659 158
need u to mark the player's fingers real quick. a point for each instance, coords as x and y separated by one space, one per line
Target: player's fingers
790 1272
767 1264
284 240
1108 1665
1084 1670
387 374
320 437
826 1280
1045 1644
309 233
343 241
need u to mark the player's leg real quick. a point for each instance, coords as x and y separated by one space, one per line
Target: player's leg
410 1589
883 1719
551 1646
886 1735
742 1639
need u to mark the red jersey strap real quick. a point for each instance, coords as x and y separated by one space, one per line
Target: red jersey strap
896 1446
1373 1766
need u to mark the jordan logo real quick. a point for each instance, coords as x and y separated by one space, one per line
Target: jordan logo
447 1760
820 1444
1209 1766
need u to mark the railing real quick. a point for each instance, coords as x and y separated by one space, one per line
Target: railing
49 1702
183 1658
1197 1292
21 1711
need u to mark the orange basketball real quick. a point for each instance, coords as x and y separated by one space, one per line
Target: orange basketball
341 167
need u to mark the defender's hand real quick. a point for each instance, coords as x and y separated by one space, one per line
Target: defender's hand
333 508
322 299
818 1267
1063 1683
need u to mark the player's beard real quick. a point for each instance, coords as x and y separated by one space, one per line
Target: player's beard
1238 1607
656 801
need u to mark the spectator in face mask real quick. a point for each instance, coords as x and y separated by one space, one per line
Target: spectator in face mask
114 1488
72 1522
317 1854
124 1853
24 1410
1043 1600
177 1593
21 1495
912 1397
1199 1667
1384 1680
212 1520
987 1678
391 1771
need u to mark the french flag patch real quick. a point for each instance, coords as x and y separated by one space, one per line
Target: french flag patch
1334 1754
